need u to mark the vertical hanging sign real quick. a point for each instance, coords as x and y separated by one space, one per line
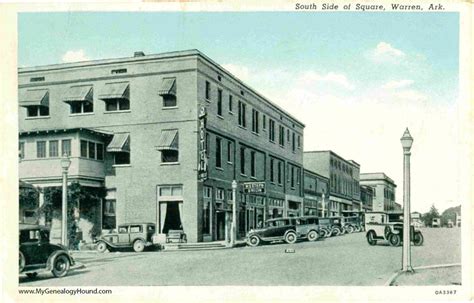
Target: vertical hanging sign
202 166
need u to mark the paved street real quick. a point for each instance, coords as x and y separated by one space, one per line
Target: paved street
343 260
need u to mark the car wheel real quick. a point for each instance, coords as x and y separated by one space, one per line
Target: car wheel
253 241
328 233
32 275
371 238
357 229
336 231
290 237
60 266
350 229
101 246
138 246
21 261
418 239
394 239
312 236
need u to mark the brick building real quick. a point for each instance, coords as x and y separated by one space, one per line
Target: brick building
159 138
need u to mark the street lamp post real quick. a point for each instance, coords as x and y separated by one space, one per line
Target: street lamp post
65 163
233 235
407 142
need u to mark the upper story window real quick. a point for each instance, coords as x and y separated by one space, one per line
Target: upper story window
288 134
80 99
299 144
208 90
120 148
169 146
280 179
252 164
230 104
37 79
255 126
271 132
219 152
207 192
229 151
66 147
242 114
116 96
21 150
89 149
118 71
220 194
41 149
242 161
272 173
219 102
264 122
36 102
168 91
293 142
281 139
53 148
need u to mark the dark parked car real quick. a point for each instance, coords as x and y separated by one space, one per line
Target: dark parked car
280 229
37 254
331 226
132 235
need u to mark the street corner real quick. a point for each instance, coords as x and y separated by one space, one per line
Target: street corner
449 274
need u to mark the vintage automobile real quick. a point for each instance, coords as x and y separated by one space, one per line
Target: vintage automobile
333 225
389 226
279 229
131 235
307 227
325 227
351 224
37 254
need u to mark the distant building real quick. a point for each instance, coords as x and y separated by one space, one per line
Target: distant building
316 189
366 197
416 219
383 188
343 175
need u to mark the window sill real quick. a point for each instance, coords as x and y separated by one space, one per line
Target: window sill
169 163
282 146
255 133
117 111
253 178
273 142
220 117
243 175
38 117
229 162
169 107
121 165
219 168
242 127
81 114
231 112
208 100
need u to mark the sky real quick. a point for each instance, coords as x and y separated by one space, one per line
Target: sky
356 80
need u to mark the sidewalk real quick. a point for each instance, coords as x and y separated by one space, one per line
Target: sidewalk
436 275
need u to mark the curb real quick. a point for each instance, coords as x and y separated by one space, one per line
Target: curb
396 274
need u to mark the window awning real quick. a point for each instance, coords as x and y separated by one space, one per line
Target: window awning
78 94
168 87
118 90
38 97
119 143
168 140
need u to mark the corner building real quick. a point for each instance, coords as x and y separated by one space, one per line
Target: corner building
161 137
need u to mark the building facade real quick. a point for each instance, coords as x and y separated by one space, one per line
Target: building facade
383 189
316 194
343 176
159 138
366 197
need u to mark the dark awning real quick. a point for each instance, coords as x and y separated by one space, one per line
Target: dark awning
78 94
119 143
118 90
168 140
168 87
33 97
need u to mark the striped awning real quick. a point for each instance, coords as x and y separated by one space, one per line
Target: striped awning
31 97
120 143
168 87
118 90
168 140
78 94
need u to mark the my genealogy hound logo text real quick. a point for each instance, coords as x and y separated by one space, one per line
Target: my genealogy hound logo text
202 166
64 291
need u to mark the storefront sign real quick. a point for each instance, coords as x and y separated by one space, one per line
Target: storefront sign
202 165
254 187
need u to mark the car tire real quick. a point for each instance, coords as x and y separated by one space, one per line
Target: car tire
350 229
371 238
253 241
101 246
394 240
336 231
290 237
328 233
418 239
32 275
60 266
138 245
21 262
312 236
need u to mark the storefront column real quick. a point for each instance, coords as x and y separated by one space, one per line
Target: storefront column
211 220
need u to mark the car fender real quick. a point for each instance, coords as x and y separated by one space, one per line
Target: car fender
108 243
54 255
290 230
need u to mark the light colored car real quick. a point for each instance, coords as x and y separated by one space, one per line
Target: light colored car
133 235
389 226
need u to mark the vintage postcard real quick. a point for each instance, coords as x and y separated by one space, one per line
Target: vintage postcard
229 152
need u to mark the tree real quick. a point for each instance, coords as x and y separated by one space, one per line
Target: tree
429 216
450 214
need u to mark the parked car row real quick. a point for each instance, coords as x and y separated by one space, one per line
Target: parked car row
309 228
